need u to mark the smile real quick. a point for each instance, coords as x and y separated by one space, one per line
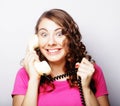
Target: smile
53 50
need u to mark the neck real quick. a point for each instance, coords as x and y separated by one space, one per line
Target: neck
57 68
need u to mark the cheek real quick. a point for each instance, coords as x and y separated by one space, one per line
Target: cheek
42 42
65 45
63 41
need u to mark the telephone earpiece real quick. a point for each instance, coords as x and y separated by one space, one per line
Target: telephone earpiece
41 67
33 43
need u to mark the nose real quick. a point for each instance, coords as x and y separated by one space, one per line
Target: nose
51 40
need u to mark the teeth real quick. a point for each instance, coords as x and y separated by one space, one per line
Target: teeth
54 50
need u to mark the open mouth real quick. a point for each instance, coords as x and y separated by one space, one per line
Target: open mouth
53 51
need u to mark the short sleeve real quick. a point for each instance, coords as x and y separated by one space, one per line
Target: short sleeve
100 83
21 83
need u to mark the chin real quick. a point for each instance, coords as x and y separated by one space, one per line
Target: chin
55 59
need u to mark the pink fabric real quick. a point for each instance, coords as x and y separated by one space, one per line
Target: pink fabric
63 95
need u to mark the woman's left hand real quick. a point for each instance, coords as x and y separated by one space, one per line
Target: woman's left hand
85 71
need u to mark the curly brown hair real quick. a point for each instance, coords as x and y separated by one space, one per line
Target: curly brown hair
70 29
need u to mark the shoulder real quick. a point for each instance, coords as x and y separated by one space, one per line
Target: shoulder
98 74
21 73
21 70
98 69
100 83
21 82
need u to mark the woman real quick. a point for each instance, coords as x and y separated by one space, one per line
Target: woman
75 80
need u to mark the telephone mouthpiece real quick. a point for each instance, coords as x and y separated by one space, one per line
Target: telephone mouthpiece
42 67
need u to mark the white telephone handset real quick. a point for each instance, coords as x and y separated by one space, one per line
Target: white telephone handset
41 67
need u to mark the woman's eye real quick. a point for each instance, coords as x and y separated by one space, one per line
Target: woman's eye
43 34
59 33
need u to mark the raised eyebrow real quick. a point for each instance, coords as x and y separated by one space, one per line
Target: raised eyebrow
47 30
42 29
58 29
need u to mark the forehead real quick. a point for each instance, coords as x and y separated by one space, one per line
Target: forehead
48 24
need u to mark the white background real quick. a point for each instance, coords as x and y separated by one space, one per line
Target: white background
99 22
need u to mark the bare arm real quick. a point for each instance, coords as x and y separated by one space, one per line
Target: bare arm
17 100
30 99
32 93
85 71
91 100
103 100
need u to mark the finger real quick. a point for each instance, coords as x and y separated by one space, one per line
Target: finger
77 65
86 68
85 61
30 58
33 57
81 71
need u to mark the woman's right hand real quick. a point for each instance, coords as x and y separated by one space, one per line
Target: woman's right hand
28 64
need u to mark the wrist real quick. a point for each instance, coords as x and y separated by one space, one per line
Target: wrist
87 91
34 80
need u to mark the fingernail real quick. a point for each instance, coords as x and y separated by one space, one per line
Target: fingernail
77 65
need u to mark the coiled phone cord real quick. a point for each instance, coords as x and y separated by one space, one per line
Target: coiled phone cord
78 81
81 91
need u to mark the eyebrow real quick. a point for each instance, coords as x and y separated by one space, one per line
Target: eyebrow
47 30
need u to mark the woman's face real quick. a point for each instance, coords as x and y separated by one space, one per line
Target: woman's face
52 44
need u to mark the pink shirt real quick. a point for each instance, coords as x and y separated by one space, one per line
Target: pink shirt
63 94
